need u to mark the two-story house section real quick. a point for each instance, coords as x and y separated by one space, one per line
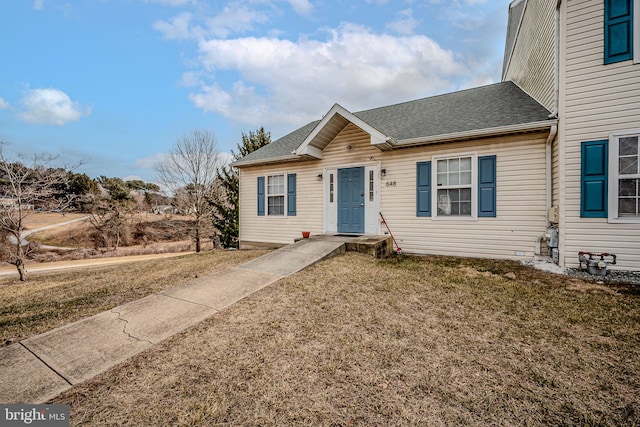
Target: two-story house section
594 86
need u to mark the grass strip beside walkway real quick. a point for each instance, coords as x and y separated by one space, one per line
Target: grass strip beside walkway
403 341
49 300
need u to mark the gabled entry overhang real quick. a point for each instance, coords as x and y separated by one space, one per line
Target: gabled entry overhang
330 126
338 118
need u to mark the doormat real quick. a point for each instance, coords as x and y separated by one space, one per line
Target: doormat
348 235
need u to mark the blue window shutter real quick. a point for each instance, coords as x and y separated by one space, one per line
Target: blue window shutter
423 191
593 179
291 194
261 196
618 30
487 186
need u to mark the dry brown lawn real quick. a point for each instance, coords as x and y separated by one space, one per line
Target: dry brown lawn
353 341
42 219
49 300
78 234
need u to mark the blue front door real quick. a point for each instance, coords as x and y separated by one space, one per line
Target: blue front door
351 200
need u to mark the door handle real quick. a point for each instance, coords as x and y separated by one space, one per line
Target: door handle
361 204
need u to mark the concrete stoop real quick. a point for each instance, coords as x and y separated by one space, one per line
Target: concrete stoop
377 246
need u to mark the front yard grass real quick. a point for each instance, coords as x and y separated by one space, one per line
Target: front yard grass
50 300
405 341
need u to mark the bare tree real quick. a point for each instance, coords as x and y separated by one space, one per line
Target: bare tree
112 222
189 172
27 183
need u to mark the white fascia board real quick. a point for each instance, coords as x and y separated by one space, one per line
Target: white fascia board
256 162
477 133
306 149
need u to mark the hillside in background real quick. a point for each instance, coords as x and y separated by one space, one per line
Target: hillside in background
148 233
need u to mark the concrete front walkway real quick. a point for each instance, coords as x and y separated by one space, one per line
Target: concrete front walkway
43 366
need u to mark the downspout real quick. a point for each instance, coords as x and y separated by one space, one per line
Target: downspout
554 128
556 109
549 164
555 252
549 184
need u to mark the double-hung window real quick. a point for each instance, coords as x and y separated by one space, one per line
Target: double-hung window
610 177
465 187
624 186
275 195
454 181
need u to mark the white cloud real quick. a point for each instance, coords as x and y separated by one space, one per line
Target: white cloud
482 79
38 5
225 158
302 7
3 104
405 23
170 2
234 18
50 106
133 178
190 79
150 161
287 83
178 29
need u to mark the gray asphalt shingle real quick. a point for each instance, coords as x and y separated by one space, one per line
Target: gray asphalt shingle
485 107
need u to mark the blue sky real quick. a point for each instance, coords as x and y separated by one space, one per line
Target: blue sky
114 83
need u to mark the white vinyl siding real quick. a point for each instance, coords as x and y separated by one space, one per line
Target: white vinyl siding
520 201
532 64
596 99
521 218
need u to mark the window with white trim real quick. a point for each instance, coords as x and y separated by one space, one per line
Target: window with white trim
275 195
455 183
624 183
371 187
331 190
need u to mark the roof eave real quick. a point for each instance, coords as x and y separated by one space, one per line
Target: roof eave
258 162
311 148
472 134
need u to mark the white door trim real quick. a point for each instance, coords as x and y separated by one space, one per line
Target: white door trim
371 201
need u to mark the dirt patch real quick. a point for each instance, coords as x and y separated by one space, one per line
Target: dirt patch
43 219
403 341
581 286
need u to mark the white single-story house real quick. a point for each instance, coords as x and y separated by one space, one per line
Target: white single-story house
547 161
465 173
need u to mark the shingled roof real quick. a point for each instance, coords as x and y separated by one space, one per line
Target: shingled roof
463 113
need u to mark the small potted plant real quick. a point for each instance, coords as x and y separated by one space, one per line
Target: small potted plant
306 234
